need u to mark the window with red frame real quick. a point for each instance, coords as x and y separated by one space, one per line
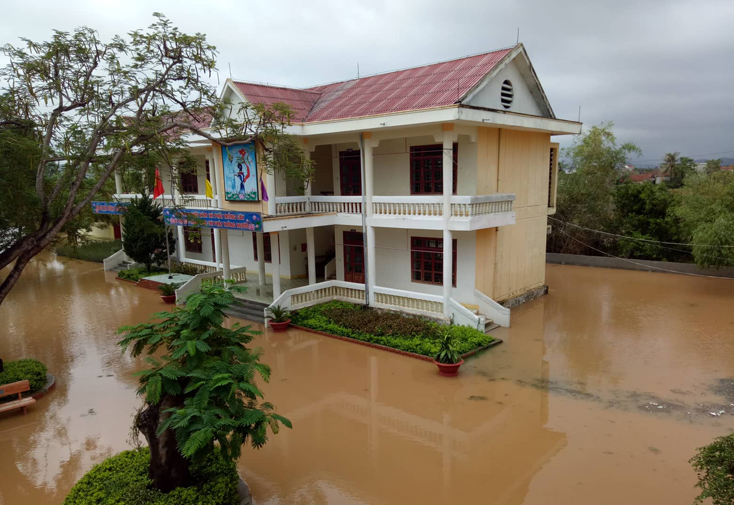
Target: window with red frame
266 247
426 256
426 169
189 181
192 240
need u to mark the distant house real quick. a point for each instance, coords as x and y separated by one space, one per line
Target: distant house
644 177
729 168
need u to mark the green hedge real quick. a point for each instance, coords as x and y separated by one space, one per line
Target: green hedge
406 333
95 251
123 479
137 273
25 369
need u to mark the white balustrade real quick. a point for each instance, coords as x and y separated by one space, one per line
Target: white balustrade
471 206
409 301
194 284
336 204
404 206
290 205
166 200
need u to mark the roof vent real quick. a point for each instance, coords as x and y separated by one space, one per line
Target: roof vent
506 94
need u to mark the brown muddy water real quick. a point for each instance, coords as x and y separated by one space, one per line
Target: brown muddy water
600 394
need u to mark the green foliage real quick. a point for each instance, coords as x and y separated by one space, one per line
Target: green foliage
447 351
712 166
169 289
644 211
25 369
123 478
178 267
714 465
278 314
137 273
585 187
706 211
93 250
406 333
144 233
211 368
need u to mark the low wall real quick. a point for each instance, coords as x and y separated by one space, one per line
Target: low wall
639 265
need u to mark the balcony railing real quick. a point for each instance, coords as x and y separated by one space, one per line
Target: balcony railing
185 200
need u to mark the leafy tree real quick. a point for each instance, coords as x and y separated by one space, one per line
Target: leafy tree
712 166
586 187
201 390
714 465
669 164
645 211
144 233
706 211
75 108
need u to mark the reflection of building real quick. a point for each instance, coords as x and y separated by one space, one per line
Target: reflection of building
451 166
370 427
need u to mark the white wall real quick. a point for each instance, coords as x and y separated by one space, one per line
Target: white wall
393 268
200 173
523 101
391 160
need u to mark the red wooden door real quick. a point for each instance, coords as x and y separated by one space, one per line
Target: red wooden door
117 231
350 173
353 257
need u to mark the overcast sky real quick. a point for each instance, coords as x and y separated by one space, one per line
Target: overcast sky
663 71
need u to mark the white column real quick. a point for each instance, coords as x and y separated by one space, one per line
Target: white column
214 171
225 255
275 254
311 254
260 257
118 183
368 189
448 184
270 182
217 247
181 243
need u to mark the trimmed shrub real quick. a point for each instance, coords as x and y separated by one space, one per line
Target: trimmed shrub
25 369
124 479
137 273
714 465
95 251
406 333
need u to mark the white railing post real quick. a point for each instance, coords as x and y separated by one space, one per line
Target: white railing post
275 255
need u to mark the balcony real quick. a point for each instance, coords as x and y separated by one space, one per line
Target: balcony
185 200
415 212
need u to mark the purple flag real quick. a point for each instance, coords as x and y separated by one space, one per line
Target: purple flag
264 191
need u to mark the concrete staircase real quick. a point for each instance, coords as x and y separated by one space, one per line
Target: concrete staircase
124 265
248 309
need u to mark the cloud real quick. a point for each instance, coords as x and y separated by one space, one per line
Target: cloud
661 70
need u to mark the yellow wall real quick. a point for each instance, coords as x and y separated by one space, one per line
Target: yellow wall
511 259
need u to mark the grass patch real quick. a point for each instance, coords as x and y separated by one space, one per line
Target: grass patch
406 333
137 273
95 251
124 479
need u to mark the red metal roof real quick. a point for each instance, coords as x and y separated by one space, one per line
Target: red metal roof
425 87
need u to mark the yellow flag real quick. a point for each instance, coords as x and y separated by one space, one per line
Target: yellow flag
209 190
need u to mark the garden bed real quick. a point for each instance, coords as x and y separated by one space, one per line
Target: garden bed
124 479
409 335
137 273
31 370
95 251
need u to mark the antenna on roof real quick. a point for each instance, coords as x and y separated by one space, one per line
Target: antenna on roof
230 70
357 70
518 36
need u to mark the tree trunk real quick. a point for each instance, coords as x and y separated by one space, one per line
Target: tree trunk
168 468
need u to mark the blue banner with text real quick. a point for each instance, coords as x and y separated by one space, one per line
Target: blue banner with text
224 219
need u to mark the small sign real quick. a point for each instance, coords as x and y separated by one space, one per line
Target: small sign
115 208
223 219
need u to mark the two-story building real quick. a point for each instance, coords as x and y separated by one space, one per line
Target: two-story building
431 194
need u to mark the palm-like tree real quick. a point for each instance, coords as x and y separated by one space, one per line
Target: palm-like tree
670 162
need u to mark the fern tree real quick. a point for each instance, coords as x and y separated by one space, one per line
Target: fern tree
201 392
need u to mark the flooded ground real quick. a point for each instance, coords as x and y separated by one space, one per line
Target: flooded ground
600 394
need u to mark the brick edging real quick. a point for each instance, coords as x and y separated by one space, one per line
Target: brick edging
126 280
391 349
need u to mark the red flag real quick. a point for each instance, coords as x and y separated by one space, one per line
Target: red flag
158 190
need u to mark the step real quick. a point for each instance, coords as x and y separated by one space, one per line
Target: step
248 309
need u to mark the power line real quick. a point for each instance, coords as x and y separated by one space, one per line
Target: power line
638 239
642 264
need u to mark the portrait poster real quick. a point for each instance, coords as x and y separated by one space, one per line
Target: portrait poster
240 173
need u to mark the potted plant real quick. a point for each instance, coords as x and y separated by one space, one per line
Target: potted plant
279 318
168 292
448 359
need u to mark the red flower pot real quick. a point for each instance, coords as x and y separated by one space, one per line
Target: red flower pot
449 369
169 298
279 326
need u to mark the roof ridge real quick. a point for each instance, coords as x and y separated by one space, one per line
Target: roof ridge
279 86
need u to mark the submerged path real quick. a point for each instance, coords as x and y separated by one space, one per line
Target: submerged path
600 394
